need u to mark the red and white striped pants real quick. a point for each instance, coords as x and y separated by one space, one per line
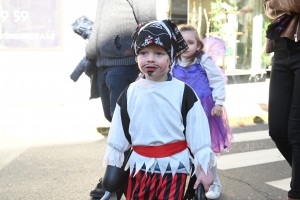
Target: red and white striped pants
155 187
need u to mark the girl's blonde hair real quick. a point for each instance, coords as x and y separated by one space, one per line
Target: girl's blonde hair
188 27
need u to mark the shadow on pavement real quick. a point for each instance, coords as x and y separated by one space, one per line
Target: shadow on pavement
261 126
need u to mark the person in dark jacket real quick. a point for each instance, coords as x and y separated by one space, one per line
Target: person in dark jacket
284 93
110 45
83 27
88 66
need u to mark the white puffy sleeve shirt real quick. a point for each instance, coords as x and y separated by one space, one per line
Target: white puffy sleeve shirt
155 111
215 79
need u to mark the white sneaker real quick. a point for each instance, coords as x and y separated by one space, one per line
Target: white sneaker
214 191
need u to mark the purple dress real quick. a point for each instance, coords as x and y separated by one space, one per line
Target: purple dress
196 77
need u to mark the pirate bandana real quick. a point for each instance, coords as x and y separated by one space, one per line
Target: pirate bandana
163 33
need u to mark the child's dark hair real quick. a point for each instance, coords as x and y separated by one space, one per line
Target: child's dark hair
199 53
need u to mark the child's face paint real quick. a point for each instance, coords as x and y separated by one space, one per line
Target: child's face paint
166 66
154 62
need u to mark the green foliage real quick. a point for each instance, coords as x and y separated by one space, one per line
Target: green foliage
218 13
265 57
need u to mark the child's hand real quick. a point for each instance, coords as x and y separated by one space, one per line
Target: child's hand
217 110
205 180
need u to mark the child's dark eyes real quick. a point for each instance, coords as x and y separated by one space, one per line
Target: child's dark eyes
142 53
158 53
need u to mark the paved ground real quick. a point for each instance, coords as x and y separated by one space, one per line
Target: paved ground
69 168
47 146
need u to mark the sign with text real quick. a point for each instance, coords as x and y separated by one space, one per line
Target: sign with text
30 24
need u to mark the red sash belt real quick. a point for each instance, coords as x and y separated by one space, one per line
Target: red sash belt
162 150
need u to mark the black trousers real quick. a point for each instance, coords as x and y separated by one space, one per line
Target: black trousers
284 106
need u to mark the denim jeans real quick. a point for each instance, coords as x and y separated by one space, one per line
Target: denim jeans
284 106
111 82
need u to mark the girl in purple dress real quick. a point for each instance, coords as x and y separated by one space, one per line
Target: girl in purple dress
197 69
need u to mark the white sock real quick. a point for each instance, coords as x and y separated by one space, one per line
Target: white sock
214 172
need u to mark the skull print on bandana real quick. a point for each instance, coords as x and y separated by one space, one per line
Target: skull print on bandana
163 33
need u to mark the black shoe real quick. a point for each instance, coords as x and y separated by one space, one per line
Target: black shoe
99 191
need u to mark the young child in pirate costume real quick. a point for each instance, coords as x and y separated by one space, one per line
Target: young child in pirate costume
160 117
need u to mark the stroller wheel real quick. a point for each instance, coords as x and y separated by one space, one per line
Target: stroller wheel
200 193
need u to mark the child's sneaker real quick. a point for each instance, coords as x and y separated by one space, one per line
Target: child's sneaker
214 191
